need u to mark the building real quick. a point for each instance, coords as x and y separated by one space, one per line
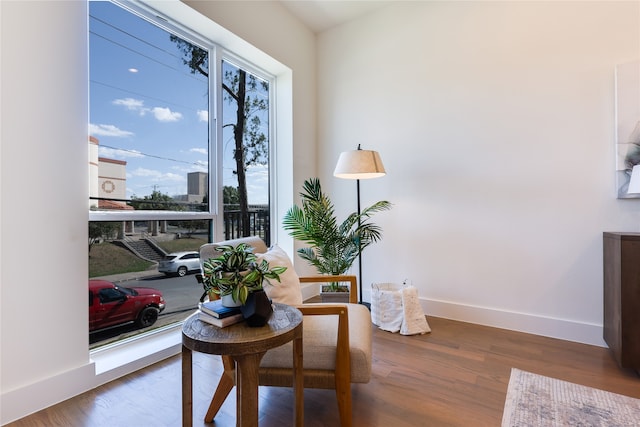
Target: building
197 188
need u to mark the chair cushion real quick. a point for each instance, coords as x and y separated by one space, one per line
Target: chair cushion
287 291
319 341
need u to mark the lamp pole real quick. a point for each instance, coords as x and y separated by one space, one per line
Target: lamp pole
360 246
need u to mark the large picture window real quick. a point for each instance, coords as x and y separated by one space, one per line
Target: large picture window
179 153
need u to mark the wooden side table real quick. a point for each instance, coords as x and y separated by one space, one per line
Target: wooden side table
246 346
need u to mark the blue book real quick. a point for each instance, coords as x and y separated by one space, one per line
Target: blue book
220 323
216 309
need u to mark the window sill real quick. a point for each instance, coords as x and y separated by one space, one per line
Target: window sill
137 352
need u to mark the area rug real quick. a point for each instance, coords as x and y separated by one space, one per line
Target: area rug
535 400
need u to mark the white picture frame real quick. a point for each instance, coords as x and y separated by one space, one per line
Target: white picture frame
627 125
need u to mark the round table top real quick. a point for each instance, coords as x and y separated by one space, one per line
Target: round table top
239 338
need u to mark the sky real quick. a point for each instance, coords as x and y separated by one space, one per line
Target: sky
148 109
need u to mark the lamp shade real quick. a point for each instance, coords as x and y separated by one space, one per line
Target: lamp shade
634 182
359 164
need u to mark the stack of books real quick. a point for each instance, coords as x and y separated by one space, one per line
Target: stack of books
214 313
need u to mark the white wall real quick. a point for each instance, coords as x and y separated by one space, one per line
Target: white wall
43 190
43 226
495 121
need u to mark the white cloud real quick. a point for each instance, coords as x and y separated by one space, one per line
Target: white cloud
203 115
258 184
162 114
199 151
114 153
173 177
130 104
146 173
108 130
166 115
157 175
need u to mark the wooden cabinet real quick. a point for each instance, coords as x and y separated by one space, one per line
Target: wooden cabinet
622 297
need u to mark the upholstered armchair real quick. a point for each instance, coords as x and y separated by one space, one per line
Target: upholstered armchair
336 337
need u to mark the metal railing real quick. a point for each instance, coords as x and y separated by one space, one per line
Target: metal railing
258 222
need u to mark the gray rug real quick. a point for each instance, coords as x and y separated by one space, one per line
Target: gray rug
535 400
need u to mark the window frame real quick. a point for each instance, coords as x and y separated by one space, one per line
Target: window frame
236 60
214 158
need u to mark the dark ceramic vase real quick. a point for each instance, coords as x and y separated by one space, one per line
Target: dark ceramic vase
257 310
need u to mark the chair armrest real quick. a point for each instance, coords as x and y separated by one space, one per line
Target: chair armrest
353 293
343 352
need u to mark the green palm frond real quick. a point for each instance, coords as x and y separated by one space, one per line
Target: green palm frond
333 246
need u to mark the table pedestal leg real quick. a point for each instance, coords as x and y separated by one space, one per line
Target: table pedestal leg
298 382
247 389
187 388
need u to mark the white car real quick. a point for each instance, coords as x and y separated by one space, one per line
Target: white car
180 263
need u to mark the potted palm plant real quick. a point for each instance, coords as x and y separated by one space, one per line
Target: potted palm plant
333 245
236 276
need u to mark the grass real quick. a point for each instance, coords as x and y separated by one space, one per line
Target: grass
179 245
107 258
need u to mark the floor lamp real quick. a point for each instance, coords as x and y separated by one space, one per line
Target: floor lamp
359 164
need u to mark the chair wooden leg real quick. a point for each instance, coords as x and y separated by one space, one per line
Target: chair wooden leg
343 394
227 381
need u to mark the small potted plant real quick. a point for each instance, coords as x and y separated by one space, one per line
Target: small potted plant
237 277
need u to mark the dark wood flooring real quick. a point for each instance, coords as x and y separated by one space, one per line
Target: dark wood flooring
455 376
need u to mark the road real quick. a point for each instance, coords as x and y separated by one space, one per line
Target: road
181 295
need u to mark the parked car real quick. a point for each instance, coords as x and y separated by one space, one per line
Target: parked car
180 263
110 305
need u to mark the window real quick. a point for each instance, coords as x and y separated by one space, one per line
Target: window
164 160
149 115
245 112
110 295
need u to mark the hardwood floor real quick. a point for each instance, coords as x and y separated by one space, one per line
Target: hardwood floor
455 376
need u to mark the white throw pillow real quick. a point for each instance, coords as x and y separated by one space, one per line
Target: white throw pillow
287 291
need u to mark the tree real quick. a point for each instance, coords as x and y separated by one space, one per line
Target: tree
155 201
230 195
245 92
102 230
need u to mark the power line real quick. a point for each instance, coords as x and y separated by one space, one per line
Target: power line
192 76
152 155
165 51
164 101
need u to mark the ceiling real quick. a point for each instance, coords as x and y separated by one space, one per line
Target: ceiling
320 15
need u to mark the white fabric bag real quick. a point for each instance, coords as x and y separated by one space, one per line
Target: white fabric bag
413 320
386 306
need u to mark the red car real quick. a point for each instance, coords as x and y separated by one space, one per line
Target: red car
110 304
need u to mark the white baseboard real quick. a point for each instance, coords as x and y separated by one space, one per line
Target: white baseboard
309 290
104 366
26 400
565 329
